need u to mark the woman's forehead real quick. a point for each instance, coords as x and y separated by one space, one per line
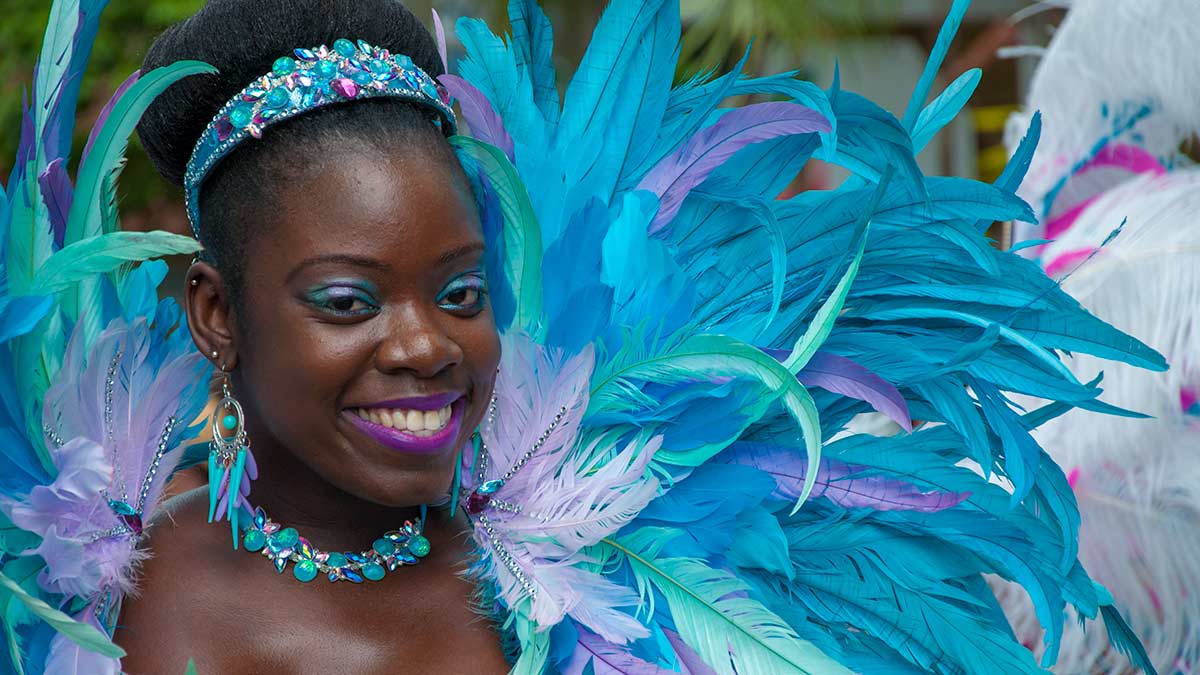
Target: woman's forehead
400 208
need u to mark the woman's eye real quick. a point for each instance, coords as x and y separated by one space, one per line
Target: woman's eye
343 301
345 304
464 295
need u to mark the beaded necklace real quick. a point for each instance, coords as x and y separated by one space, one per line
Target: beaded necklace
281 545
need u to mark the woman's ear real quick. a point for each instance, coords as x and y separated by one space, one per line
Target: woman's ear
210 315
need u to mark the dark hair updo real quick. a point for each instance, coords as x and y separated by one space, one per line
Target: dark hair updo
242 39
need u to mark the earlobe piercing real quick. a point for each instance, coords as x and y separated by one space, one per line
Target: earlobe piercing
195 282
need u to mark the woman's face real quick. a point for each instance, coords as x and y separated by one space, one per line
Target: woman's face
365 343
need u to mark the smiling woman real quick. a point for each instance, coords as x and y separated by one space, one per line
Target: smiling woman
658 473
342 294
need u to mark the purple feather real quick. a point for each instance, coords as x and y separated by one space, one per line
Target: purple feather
846 485
67 657
840 375
485 124
152 381
689 661
106 111
674 177
440 32
57 192
28 142
606 658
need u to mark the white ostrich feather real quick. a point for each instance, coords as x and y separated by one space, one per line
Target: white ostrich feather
1140 500
1108 59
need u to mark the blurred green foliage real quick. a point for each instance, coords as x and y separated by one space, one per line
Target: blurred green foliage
126 30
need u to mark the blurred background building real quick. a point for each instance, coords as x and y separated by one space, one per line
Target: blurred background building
879 46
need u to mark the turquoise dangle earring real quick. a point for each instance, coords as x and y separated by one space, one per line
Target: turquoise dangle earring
231 465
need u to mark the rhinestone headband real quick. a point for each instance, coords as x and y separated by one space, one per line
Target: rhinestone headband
313 79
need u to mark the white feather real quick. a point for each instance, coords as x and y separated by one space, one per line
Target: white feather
1136 480
1106 54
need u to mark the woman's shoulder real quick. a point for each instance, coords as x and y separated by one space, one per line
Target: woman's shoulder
181 601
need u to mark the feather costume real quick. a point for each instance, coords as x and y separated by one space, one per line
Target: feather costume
669 480
1118 200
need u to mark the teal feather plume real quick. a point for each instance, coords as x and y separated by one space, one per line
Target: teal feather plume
730 632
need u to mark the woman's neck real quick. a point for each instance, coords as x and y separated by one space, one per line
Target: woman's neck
293 495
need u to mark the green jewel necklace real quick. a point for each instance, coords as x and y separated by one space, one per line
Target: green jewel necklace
404 546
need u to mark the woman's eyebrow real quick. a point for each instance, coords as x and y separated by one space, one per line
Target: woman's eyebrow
339 259
455 253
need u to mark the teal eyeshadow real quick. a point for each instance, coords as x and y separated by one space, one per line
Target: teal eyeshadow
471 281
337 290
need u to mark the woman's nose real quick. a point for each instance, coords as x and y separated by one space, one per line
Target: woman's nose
417 341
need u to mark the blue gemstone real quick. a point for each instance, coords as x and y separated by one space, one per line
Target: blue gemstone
305 570
344 47
278 98
254 540
336 560
384 547
284 66
404 61
361 78
378 66
366 48
373 571
241 116
306 55
325 69
490 487
419 546
351 575
356 557
121 508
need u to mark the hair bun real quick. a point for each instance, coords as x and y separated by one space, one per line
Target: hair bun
242 38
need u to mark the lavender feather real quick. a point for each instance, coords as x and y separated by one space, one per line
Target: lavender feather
606 659
846 485
481 117
571 497
66 656
674 177
440 32
57 192
689 661
154 378
840 375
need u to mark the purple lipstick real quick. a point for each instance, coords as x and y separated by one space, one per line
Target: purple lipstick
420 426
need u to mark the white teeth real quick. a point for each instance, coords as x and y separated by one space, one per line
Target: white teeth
417 422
